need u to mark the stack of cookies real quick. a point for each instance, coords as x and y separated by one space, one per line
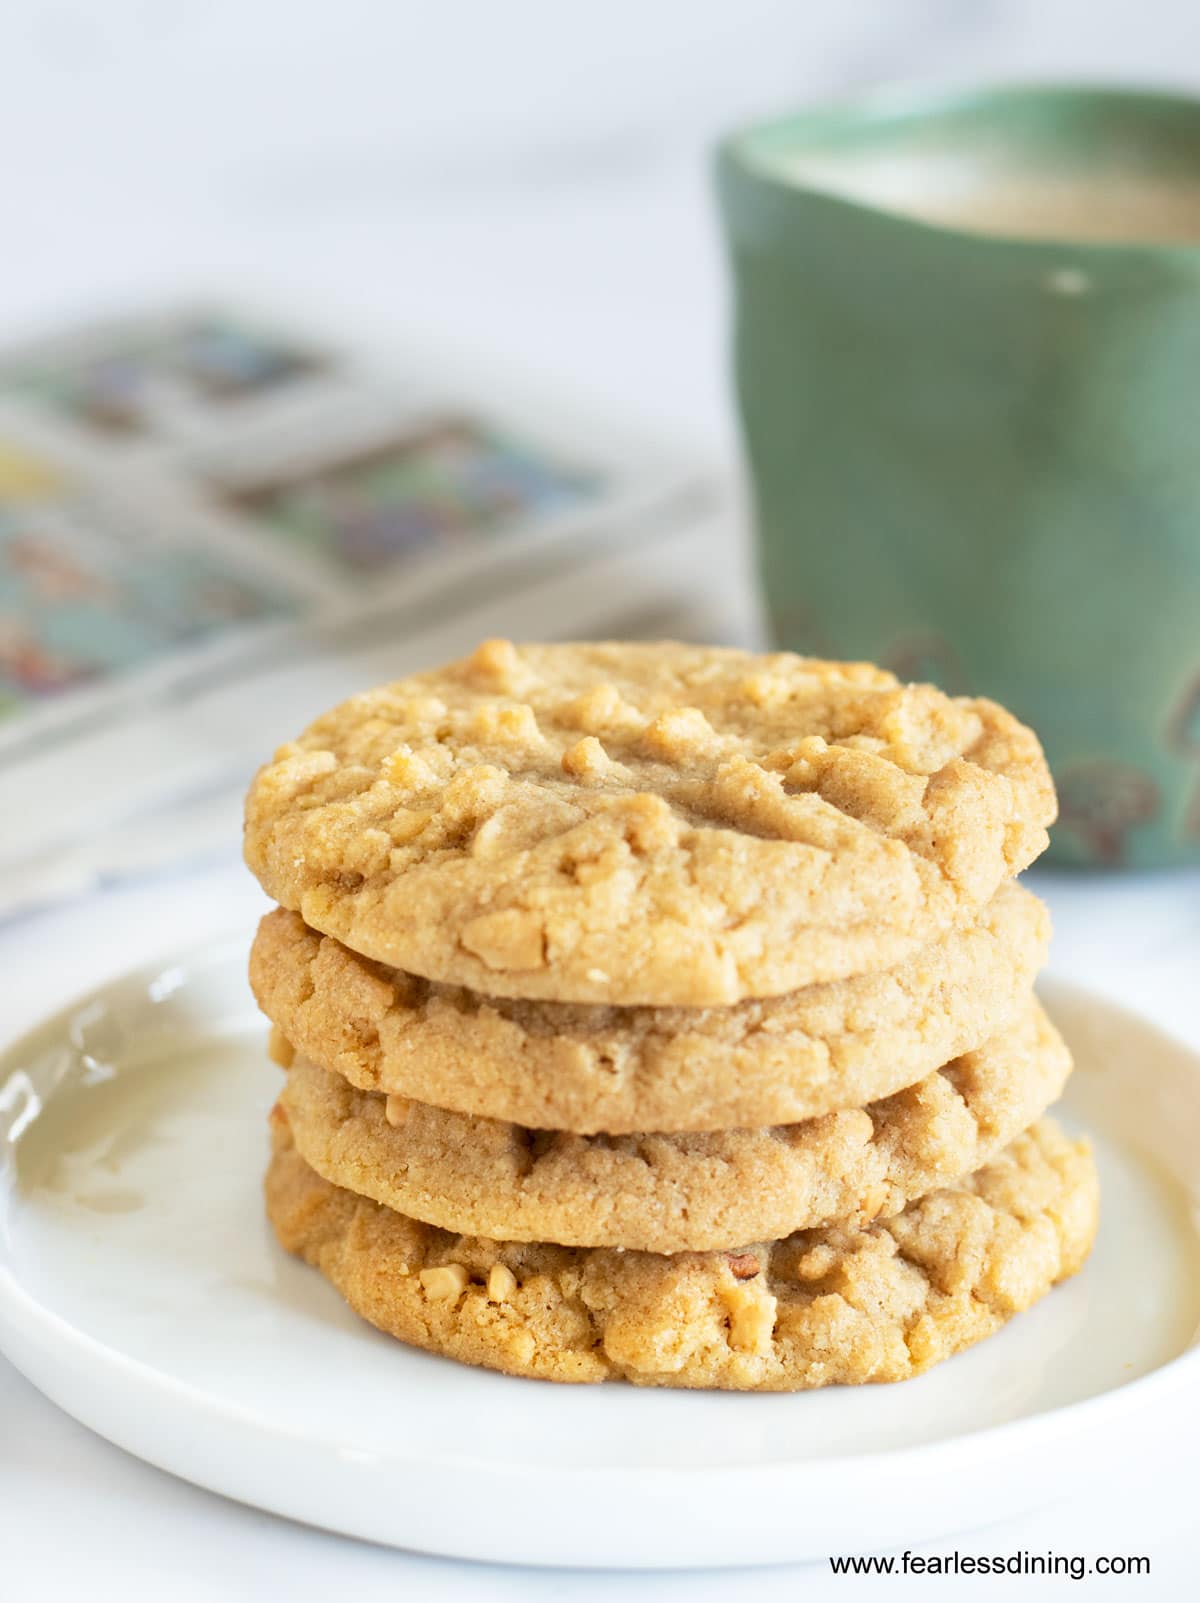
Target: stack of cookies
666 1013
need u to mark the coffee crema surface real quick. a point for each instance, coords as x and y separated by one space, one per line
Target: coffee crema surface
985 198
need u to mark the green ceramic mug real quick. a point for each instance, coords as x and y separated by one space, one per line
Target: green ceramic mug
975 444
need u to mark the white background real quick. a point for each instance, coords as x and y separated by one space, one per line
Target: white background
528 181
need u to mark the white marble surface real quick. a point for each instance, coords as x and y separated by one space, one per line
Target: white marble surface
527 181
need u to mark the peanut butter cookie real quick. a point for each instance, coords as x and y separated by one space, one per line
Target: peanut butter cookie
879 1302
587 1067
674 1193
651 824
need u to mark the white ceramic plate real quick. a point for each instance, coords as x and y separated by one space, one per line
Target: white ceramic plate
141 1289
